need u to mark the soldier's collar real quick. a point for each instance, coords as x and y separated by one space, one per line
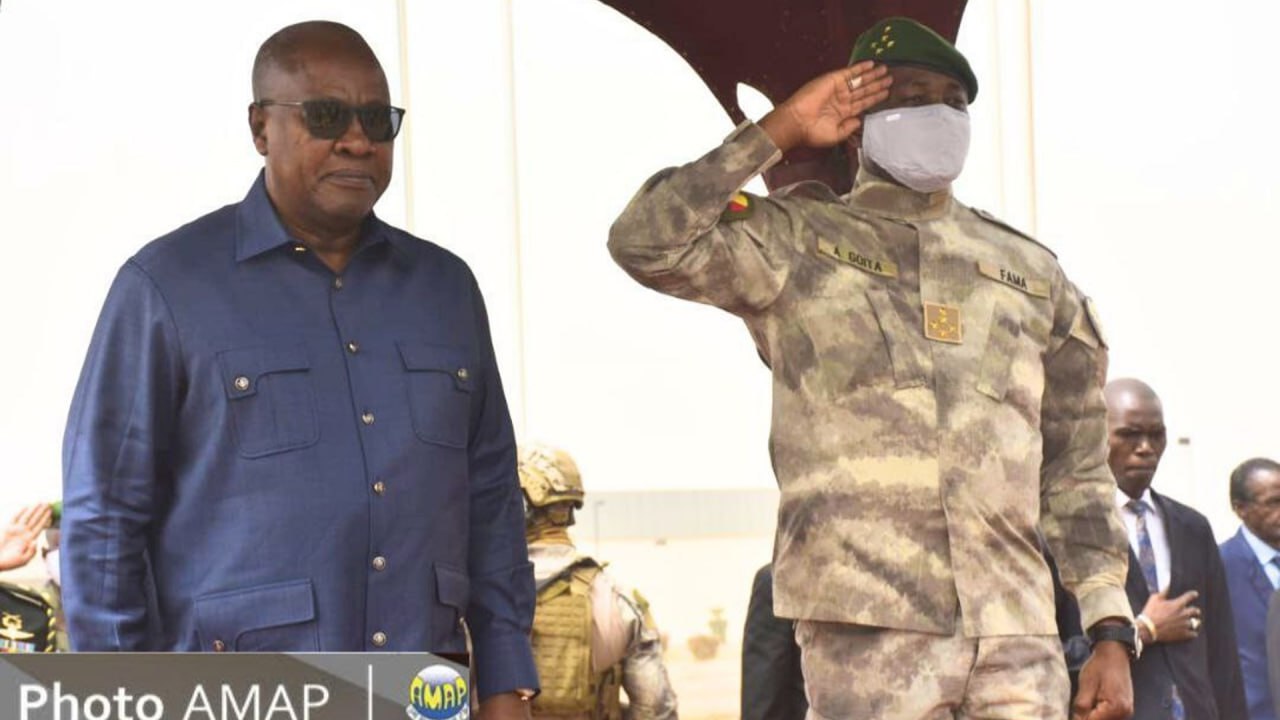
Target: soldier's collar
874 193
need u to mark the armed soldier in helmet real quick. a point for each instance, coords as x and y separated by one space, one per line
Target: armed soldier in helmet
591 638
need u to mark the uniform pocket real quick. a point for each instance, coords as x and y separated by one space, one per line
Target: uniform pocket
440 382
900 337
453 592
997 359
269 618
271 402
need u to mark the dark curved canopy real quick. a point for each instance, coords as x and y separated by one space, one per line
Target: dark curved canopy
775 46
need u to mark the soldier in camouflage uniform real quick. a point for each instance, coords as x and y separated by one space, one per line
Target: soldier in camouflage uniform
591 638
935 399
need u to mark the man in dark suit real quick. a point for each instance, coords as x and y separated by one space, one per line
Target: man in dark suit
1176 586
1252 574
772 685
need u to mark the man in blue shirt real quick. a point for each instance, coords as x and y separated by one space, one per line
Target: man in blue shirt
290 432
1251 558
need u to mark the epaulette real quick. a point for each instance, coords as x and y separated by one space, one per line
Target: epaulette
1000 223
808 190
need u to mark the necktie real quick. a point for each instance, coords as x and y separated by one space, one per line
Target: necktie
1146 553
1147 560
1275 560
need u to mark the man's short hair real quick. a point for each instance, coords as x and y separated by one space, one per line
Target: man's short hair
1241 475
283 50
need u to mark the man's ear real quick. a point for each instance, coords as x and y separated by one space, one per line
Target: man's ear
258 127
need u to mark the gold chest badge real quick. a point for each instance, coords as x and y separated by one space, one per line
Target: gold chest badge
943 324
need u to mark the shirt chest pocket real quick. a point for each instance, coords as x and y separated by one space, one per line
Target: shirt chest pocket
271 402
857 340
439 382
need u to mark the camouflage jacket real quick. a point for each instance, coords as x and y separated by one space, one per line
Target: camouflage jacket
936 393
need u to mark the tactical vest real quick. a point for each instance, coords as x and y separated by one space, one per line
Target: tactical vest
26 620
562 650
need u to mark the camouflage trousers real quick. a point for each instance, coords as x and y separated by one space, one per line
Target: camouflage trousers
856 672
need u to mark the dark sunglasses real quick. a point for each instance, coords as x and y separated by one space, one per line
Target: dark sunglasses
329 119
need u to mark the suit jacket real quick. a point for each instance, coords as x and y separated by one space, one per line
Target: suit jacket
1251 592
1206 669
772 684
1273 649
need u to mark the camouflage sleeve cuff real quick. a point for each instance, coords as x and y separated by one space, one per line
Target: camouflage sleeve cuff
1103 602
755 150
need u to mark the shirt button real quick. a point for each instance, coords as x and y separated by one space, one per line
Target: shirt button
379 639
463 374
353 347
337 283
241 383
219 646
367 418
379 563
379 487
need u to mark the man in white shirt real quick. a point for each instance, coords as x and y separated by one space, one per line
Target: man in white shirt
1250 558
1176 585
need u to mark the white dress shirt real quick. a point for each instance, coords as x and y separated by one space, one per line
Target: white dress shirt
1155 530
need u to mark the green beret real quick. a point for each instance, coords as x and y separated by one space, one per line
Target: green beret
903 40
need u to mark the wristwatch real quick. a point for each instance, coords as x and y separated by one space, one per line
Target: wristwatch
1125 634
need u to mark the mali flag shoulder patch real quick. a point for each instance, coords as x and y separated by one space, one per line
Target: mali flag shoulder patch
741 206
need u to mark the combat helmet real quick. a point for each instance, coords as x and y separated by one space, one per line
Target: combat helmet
549 475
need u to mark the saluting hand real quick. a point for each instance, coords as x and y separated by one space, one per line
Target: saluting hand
18 539
827 109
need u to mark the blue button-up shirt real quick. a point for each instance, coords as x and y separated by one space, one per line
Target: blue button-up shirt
265 455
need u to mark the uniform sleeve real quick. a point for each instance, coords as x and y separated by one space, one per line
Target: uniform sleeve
500 610
113 455
678 237
644 675
1077 491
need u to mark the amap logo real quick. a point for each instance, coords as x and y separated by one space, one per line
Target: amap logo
439 693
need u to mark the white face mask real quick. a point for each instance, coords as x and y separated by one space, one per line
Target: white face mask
921 147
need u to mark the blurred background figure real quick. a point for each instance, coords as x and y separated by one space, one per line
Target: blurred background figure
1250 558
592 638
28 616
772 682
1176 585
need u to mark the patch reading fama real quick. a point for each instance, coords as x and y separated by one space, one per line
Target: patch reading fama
1014 279
741 206
883 268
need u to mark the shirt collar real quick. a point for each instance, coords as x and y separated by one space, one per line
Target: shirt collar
874 193
1264 551
1122 501
259 230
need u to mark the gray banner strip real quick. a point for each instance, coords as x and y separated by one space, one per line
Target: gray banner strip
232 686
